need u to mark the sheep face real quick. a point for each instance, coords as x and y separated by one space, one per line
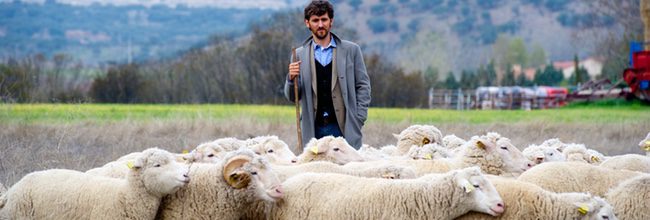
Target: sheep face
483 195
541 154
253 173
603 210
275 151
206 153
645 144
590 207
329 148
513 159
497 157
159 171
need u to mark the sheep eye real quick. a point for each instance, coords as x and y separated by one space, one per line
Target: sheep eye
270 151
605 217
210 155
157 165
476 186
504 148
253 173
336 149
551 154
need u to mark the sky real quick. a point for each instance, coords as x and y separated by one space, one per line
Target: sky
242 4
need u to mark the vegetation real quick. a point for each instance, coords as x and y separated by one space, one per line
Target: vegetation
104 32
601 112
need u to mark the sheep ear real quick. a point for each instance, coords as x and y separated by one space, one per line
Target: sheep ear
425 141
583 208
396 136
234 176
466 186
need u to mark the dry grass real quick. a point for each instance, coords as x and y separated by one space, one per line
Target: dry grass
27 147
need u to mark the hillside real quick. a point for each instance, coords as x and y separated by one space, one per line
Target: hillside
450 35
108 33
460 34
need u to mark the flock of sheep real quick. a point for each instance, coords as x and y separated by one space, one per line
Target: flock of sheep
425 175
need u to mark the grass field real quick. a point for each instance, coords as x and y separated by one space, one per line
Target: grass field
82 136
68 113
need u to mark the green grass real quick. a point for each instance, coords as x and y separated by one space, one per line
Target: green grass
67 113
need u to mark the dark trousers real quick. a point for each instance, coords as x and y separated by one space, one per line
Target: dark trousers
328 129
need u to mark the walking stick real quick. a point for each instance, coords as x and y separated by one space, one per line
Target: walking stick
295 95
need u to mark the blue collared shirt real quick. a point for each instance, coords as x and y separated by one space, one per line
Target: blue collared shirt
324 55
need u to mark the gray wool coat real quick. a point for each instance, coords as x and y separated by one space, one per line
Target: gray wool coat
353 82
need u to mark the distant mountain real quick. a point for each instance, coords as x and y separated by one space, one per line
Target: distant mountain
99 33
450 35
453 35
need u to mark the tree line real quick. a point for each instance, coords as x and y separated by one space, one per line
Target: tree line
252 70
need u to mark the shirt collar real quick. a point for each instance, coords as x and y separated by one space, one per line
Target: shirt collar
332 44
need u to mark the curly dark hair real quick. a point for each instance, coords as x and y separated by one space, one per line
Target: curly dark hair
319 8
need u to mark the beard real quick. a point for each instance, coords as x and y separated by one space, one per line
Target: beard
320 33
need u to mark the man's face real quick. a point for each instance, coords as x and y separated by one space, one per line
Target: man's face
319 25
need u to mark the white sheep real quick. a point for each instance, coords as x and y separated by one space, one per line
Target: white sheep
525 200
580 153
500 158
214 151
428 152
452 141
631 198
543 153
555 143
390 150
329 148
226 190
368 153
645 144
434 196
68 194
120 167
388 171
633 162
273 149
417 135
575 177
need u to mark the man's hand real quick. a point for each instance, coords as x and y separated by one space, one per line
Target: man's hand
294 70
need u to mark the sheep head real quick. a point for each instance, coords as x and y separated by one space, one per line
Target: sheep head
482 195
234 175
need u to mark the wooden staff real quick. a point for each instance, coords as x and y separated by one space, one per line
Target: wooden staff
294 59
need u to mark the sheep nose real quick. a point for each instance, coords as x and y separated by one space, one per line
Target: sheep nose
294 160
186 176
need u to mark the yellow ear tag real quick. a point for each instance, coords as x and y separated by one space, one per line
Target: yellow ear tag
595 159
314 149
186 152
583 209
469 188
647 146
129 164
428 156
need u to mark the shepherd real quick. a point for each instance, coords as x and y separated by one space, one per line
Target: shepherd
333 85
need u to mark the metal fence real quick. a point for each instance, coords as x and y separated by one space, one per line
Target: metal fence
498 98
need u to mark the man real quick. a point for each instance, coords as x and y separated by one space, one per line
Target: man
334 88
